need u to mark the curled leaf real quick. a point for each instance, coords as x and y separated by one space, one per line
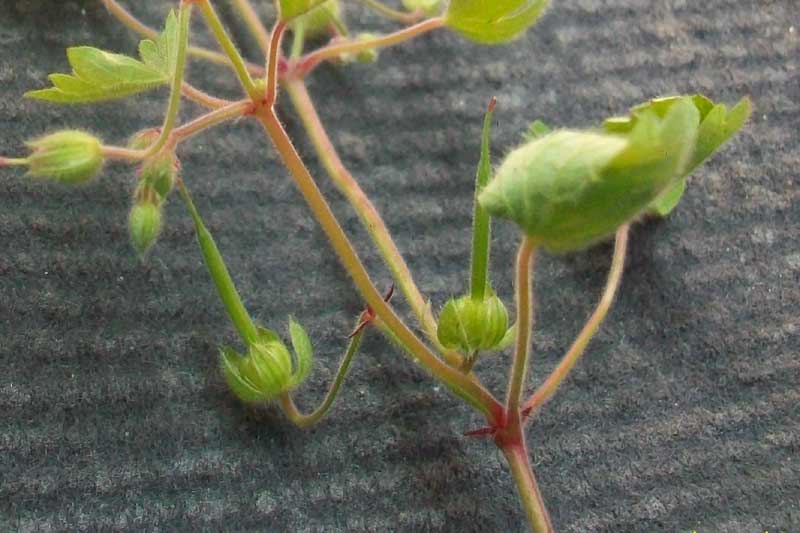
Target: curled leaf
493 22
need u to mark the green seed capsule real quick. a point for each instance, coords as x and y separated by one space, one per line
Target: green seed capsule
68 156
269 369
570 189
471 325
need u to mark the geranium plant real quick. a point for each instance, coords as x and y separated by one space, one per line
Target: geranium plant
566 189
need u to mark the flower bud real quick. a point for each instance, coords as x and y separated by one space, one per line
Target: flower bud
471 325
370 55
145 220
161 170
269 369
570 189
317 22
68 156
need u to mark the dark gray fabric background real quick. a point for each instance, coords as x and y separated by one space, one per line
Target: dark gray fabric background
113 415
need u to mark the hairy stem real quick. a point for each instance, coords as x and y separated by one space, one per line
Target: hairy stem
462 386
224 40
303 420
527 488
333 51
253 22
519 368
554 380
174 106
366 211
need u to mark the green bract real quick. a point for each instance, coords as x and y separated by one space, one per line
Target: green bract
68 156
717 125
493 21
98 75
569 189
472 325
269 369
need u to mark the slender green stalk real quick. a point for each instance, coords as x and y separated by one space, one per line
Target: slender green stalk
465 387
528 488
333 51
13 161
304 420
519 368
224 40
481 223
219 273
298 41
253 22
554 380
174 106
367 213
180 134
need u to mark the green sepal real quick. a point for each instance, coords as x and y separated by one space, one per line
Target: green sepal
493 22
242 387
303 350
144 223
570 189
98 75
68 156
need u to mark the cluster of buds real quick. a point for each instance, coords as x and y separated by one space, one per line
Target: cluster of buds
157 177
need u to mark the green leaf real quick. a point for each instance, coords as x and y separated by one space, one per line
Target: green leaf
162 54
98 75
493 22
294 8
304 351
570 189
717 125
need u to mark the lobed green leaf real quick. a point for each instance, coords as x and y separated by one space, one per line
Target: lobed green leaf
493 22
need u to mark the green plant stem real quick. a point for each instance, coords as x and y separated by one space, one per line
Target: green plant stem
403 17
13 161
481 223
253 22
527 488
219 273
461 385
298 41
554 380
174 105
519 369
369 216
333 51
217 116
273 56
304 420
131 22
224 40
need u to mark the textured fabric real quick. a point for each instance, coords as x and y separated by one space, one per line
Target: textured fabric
683 415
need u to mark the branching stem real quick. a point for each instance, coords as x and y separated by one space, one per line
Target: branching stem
551 384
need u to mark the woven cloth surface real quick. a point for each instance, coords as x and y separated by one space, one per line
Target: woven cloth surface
683 415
